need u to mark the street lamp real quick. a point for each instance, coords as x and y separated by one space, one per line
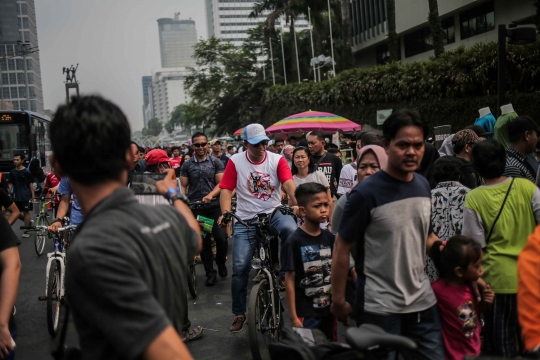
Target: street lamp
517 36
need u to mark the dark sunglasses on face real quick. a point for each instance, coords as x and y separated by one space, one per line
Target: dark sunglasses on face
197 145
263 143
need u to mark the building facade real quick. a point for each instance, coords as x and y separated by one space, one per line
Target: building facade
465 23
146 82
18 37
176 40
166 91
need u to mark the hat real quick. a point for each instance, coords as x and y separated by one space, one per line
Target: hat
213 142
254 134
466 136
521 124
479 130
156 156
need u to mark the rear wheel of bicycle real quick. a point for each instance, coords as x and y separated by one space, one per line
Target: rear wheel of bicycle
40 235
263 328
192 280
53 298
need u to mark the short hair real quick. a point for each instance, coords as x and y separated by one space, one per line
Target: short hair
318 134
230 147
198 134
446 168
402 118
292 137
175 148
360 134
333 150
19 155
489 159
332 146
311 165
371 138
141 149
304 192
459 251
302 143
134 143
89 139
279 140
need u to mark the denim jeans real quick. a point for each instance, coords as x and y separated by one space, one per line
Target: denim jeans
242 253
423 327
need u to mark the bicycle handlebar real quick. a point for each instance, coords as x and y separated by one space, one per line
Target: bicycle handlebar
65 228
35 228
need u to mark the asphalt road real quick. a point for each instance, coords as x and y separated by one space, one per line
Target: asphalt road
211 310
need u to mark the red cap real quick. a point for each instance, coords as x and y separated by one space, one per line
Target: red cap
156 156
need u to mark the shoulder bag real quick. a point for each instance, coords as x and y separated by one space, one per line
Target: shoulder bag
500 211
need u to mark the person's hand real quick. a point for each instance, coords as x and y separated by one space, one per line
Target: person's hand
220 222
341 311
477 287
296 323
295 210
201 223
55 226
167 183
53 190
488 295
5 341
206 199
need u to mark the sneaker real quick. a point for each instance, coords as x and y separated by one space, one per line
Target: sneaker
222 270
238 324
211 279
25 235
31 222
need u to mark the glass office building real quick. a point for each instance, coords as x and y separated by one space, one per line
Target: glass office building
176 41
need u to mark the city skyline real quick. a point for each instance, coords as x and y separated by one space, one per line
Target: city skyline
114 49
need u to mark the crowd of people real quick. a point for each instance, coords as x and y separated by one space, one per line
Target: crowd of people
426 243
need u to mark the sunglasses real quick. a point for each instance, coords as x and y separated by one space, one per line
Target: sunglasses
197 145
263 143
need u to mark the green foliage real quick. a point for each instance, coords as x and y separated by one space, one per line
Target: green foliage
458 81
153 129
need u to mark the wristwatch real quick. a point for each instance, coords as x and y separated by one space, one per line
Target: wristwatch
179 196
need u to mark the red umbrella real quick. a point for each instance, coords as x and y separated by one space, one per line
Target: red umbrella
238 132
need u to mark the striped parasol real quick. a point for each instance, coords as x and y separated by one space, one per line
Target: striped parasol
313 121
238 132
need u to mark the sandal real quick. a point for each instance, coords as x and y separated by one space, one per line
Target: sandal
193 334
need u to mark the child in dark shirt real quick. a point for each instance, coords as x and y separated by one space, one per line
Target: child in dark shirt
308 262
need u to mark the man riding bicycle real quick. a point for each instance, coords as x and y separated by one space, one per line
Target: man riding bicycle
257 176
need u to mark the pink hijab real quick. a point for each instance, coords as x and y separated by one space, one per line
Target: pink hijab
379 152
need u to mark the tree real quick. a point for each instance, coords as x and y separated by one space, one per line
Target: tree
154 127
392 36
435 26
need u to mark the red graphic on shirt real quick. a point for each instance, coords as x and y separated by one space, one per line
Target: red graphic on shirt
259 185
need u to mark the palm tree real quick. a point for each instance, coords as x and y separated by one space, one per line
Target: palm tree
436 28
392 36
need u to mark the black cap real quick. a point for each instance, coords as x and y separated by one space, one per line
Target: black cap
479 130
521 124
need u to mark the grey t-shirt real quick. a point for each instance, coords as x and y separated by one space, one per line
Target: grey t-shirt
126 276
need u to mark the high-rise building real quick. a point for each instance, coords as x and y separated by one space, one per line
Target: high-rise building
229 20
146 82
176 40
18 32
166 91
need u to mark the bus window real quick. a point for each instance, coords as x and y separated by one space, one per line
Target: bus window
13 140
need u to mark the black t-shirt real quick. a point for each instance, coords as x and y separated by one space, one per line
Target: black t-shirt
331 167
8 238
470 179
5 199
310 257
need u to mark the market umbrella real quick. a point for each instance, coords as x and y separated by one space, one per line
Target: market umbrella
313 121
238 132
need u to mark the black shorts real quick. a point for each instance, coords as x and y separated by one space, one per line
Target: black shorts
24 206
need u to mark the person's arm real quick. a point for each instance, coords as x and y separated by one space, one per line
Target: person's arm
10 264
167 345
290 188
535 203
184 182
14 210
63 208
291 298
432 238
331 205
225 201
473 226
340 270
216 191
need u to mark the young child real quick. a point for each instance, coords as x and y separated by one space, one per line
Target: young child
461 264
308 261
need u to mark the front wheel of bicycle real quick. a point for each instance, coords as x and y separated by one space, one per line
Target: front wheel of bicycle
53 298
263 327
40 236
192 280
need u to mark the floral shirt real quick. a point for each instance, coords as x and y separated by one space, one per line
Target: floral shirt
447 201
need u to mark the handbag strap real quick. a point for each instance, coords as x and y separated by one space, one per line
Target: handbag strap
500 211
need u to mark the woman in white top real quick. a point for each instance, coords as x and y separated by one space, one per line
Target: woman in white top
304 172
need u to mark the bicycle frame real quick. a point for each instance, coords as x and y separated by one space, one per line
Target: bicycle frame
59 254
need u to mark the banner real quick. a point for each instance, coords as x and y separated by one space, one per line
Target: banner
382 115
441 133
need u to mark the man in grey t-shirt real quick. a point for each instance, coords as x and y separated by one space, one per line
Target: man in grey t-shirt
126 275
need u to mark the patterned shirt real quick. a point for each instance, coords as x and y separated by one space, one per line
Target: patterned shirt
202 176
517 166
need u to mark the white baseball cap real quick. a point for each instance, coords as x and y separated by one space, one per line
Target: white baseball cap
254 134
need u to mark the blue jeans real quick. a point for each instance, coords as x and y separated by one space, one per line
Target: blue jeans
242 253
423 327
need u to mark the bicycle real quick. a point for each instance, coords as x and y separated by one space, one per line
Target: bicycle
42 220
265 309
55 273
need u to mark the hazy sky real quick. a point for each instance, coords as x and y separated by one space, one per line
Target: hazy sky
115 42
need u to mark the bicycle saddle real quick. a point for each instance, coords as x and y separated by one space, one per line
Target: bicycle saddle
369 336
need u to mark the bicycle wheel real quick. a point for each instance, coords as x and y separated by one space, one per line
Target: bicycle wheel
53 298
192 280
263 328
40 236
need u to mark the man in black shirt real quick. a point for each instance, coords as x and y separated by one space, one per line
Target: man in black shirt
329 164
9 205
128 264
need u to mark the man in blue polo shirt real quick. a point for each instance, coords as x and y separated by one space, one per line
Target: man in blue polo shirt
389 220
76 216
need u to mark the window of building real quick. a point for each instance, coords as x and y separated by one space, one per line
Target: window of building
29 64
418 42
22 91
6 93
13 79
4 65
477 20
33 105
20 78
14 94
24 9
20 65
11 64
5 79
382 53
450 30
